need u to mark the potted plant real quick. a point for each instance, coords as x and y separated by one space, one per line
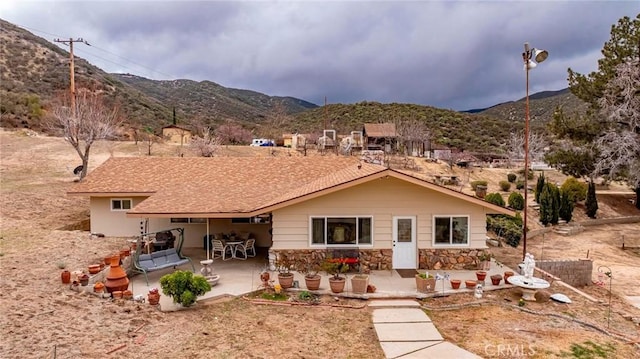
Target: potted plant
184 287
495 279
285 277
425 282
484 260
334 268
311 277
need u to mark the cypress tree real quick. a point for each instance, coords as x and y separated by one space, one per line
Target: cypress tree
566 205
546 205
592 201
539 187
555 203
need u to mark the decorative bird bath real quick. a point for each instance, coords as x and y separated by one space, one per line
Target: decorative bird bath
529 284
207 272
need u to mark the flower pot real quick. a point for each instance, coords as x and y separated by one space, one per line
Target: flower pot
94 269
285 280
359 283
495 279
424 285
455 283
312 283
117 294
127 294
484 265
337 285
84 280
481 275
116 276
125 252
470 284
507 274
65 276
153 298
98 287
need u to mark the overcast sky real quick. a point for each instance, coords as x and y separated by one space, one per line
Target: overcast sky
457 55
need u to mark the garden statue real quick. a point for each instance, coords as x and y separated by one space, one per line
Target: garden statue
478 292
529 265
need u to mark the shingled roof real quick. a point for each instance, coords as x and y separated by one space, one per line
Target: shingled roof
380 130
230 186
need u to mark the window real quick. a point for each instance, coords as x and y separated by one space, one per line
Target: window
341 230
450 230
120 204
188 220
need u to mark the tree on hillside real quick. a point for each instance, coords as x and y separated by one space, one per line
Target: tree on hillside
89 121
592 144
205 143
230 133
413 135
515 146
277 119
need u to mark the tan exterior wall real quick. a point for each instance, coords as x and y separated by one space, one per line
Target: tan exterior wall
194 232
177 136
383 199
116 223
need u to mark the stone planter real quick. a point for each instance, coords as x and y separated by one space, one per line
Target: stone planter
359 283
424 285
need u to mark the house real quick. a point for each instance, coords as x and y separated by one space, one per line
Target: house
294 205
175 134
380 136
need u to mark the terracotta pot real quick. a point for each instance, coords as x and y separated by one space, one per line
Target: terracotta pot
312 283
98 287
94 269
471 284
455 283
337 285
65 276
84 280
127 294
507 274
285 280
107 260
153 298
116 276
495 279
116 294
125 253
481 275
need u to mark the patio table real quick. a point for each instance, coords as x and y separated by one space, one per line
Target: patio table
234 246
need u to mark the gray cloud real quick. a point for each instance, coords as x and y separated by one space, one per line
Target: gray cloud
456 55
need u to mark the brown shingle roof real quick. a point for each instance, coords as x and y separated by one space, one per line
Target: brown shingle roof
380 130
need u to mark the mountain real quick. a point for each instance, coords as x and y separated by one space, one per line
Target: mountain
34 72
541 107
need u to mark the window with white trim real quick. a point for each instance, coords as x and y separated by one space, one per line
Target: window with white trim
341 230
451 230
120 204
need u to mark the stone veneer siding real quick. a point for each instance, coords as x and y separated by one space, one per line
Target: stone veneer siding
381 259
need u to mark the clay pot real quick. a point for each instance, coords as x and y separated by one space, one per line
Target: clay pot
98 287
312 283
84 280
470 284
125 253
495 279
507 274
116 276
481 275
94 269
65 276
127 294
337 285
117 294
285 280
153 298
107 260
455 283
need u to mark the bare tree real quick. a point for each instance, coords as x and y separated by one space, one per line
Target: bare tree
205 144
81 126
619 146
277 119
230 133
515 146
413 133
150 138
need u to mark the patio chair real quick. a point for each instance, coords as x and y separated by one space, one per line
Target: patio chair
223 250
247 249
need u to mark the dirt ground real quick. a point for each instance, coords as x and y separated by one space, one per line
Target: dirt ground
40 317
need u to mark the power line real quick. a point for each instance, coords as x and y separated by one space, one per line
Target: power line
133 62
72 84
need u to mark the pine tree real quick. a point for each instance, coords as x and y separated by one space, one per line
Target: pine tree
592 201
555 203
566 205
546 205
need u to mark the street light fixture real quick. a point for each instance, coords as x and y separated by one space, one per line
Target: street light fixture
531 57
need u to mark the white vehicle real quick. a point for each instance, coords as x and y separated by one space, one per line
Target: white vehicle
262 142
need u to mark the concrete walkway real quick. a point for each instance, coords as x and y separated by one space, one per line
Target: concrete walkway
405 331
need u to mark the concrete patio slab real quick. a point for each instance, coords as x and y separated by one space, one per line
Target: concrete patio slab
393 303
635 301
400 315
399 349
442 350
407 332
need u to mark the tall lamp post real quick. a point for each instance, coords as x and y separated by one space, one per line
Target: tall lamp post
531 57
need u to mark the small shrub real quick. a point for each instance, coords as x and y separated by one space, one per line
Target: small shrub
505 185
507 227
516 201
591 202
184 287
511 177
495 198
577 189
539 187
475 184
520 184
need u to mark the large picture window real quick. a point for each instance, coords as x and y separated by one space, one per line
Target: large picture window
120 204
341 230
451 230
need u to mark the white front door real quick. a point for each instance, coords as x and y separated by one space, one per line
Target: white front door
404 243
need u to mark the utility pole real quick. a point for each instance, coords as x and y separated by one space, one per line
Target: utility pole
72 83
